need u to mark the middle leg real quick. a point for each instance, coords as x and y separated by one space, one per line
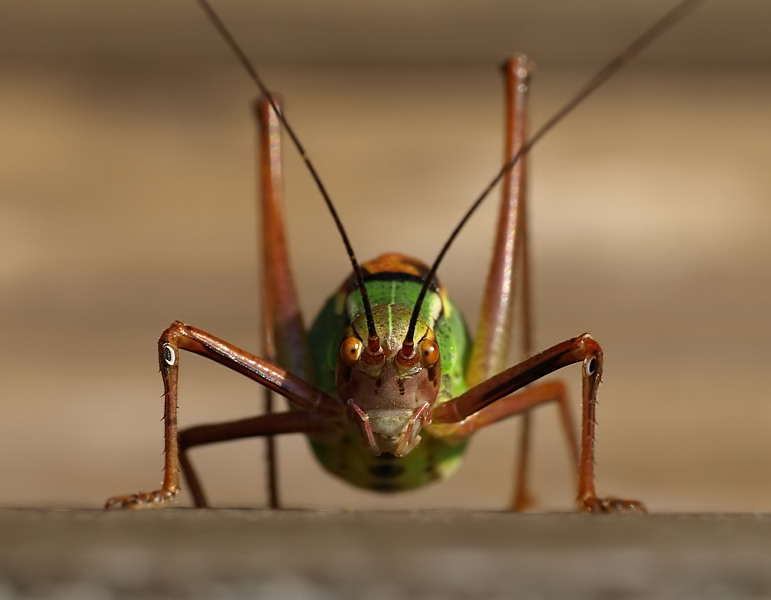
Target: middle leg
262 425
582 349
521 403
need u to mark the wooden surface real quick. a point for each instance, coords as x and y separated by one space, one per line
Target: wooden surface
307 555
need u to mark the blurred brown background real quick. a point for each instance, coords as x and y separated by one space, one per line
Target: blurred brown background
127 201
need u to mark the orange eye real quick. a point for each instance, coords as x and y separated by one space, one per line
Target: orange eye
429 352
350 350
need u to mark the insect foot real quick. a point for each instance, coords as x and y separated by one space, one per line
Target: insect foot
141 501
595 505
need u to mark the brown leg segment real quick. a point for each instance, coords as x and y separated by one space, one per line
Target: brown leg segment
509 267
581 349
491 344
520 404
285 339
551 391
321 410
262 425
284 332
522 498
284 336
518 83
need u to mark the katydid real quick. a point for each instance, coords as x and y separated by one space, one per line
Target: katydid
387 384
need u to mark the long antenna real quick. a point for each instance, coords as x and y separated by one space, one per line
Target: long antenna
252 72
668 20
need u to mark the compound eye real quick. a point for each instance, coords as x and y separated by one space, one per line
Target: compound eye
350 350
429 352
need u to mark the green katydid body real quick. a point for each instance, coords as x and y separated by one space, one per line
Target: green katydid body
393 282
391 353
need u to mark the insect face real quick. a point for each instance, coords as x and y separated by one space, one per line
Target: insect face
389 396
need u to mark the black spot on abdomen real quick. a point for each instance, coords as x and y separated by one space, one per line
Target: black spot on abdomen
386 470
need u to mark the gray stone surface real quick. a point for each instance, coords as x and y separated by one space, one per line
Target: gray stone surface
180 553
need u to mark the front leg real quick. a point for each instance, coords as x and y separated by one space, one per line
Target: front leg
318 409
471 406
